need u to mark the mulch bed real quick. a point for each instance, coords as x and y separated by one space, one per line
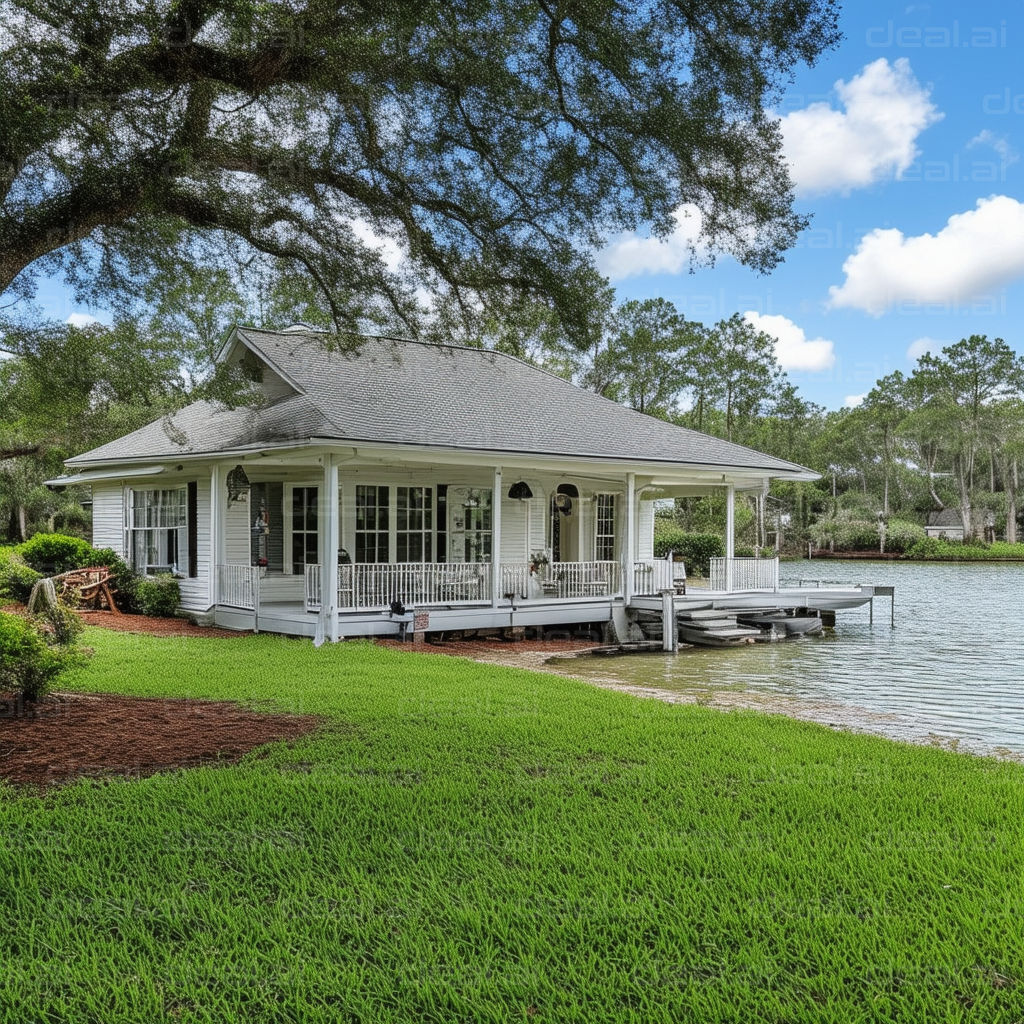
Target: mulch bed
74 735
154 626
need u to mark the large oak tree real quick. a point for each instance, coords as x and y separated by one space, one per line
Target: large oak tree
491 143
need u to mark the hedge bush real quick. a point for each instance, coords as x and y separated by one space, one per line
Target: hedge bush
55 553
16 578
900 535
28 664
695 549
158 596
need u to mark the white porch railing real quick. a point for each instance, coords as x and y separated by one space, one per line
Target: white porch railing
238 586
313 588
744 574
580 579
653 575
374 586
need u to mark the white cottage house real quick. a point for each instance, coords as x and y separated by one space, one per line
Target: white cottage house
472 488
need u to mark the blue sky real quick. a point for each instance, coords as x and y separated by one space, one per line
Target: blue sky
900 148
905 144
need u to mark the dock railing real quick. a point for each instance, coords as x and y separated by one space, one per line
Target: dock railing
732 574
652 575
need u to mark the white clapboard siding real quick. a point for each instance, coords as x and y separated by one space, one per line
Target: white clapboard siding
236 532
195 591
513 530
108 516
645 530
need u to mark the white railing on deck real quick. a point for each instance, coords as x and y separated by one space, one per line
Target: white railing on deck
313 588
580 579
372 586
653 575
516 581
238 586
745 573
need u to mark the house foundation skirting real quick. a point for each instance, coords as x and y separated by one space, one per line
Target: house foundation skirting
291 622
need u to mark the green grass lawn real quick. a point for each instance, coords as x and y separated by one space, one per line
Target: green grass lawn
465 843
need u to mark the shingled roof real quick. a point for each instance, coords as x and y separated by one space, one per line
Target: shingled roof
412 393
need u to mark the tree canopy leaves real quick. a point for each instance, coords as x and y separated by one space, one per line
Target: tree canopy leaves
477 149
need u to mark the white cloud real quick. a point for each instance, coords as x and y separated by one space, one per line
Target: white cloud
389 250
852 401
1000 143
918 348
976 251
792 348
629 255
835 151
81 320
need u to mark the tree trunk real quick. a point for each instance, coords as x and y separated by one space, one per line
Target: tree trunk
962 473
1011 503
22 525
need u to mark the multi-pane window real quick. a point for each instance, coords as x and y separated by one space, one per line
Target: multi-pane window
304 528
414 522
605 546
159 521
479 524
372 522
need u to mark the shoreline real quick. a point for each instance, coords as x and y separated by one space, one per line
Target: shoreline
557 657
875 556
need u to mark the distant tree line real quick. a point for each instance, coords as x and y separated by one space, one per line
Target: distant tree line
948 435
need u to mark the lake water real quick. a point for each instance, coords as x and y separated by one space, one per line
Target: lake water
951 672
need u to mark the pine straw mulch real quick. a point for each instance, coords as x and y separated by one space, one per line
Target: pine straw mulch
75 735
153 626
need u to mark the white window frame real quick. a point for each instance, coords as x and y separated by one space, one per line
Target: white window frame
613 537
162 518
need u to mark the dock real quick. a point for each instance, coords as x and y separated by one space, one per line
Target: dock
718 619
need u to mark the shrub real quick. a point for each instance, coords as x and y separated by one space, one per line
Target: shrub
695 549
54 553
845 534
930 547
28 664
16 578
158 596
901 535
667 537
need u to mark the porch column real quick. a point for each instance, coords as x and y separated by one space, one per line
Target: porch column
496 539
627 580
329 549
730 534
216 531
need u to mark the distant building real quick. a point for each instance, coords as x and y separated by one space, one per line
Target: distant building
946 524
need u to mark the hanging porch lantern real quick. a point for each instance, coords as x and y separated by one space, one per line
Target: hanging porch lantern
238 484
520 491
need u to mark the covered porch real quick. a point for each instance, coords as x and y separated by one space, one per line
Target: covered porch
456 546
